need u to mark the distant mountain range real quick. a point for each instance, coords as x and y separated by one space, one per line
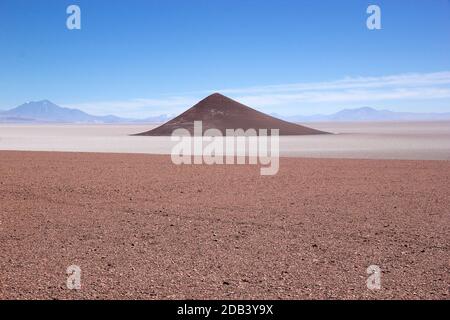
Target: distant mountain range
369 114
47 112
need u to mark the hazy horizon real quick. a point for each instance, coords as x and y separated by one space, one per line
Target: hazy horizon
347 114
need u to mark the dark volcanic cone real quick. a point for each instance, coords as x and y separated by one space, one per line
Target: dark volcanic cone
220 112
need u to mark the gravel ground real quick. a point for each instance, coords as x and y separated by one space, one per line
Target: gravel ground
140 227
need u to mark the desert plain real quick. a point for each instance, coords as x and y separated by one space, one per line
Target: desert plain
428 140
140 227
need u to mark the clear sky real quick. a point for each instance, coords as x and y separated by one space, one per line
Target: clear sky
142 58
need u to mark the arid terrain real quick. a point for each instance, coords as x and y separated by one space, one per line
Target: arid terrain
141 227
428 140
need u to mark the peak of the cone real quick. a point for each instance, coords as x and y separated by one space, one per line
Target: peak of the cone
216 95
216 100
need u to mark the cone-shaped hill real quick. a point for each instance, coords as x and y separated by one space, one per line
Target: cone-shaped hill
220 112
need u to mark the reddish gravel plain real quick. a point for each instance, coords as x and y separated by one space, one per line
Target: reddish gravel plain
142 228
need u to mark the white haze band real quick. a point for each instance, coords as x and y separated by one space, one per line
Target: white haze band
234 148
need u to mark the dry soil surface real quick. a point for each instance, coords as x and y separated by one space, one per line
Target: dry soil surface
141 227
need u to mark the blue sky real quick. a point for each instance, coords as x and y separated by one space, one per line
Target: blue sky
141 58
